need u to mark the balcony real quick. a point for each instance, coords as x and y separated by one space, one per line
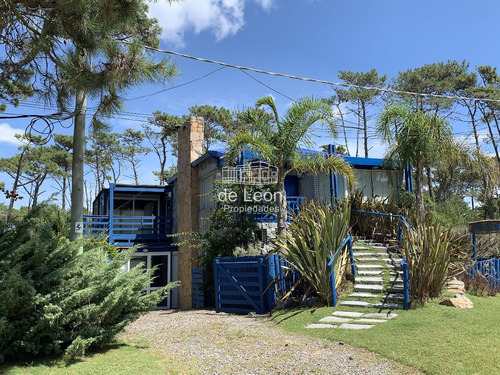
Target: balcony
125 231
293 205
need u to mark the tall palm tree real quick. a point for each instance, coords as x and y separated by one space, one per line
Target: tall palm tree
415 137
278 142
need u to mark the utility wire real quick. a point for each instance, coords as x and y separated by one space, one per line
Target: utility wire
242 68
269 87
177 86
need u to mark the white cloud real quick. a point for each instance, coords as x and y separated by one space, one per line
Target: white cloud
223 18
7 134
266 4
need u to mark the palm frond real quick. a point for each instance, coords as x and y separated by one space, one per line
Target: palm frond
248 141
319 164
268 101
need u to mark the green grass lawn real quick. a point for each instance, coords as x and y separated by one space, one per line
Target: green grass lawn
435 339
115 359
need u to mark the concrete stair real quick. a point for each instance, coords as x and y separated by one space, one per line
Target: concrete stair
378 285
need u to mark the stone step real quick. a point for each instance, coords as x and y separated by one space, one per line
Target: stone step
357 248
394 296
368 254
396 267
335 319
356 326
370 273
368 320
387 297
359 238
369 266
378 259
392 260
355 304
348 314
381 315
395 289
367 259
368 288
389 306
360 254
364 295
369 280
379 247
320 325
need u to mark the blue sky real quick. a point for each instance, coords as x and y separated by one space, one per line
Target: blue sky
309 38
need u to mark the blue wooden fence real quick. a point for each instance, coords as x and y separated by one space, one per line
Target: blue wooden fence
489 268
244 284
198 294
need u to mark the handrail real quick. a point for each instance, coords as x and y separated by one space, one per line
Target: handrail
128 228
347 241
400 217
293 207
406 286
404 264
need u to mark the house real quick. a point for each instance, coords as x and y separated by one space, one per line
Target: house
198 170
129 215
146 214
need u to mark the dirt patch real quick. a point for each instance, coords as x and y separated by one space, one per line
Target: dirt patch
212 343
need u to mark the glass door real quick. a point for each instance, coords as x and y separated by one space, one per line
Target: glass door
162 275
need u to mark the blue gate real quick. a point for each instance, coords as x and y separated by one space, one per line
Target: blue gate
243 284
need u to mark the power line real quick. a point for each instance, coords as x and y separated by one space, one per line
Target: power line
349 85
177 86
269 87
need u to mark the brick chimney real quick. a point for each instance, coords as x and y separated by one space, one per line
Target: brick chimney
190 148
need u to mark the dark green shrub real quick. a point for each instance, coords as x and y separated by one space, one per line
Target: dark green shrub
57 299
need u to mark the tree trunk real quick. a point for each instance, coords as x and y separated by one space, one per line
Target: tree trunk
14 188
494 142
77 164
341 114
36 190
419 195
365 128
282 207
487 198
136 176
64 187
357 133
429 183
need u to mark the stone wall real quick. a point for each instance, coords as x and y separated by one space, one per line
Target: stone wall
191 147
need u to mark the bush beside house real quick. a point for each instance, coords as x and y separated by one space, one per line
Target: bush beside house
61 297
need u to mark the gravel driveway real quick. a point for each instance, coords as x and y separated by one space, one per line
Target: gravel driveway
211 343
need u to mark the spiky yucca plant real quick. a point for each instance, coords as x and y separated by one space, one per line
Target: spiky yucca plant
311 241
430 252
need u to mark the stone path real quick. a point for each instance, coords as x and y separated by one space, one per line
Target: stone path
378 285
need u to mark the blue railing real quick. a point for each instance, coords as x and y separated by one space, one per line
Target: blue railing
293 205
406 285
347 241
402 221
487 268
404 264
129 230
